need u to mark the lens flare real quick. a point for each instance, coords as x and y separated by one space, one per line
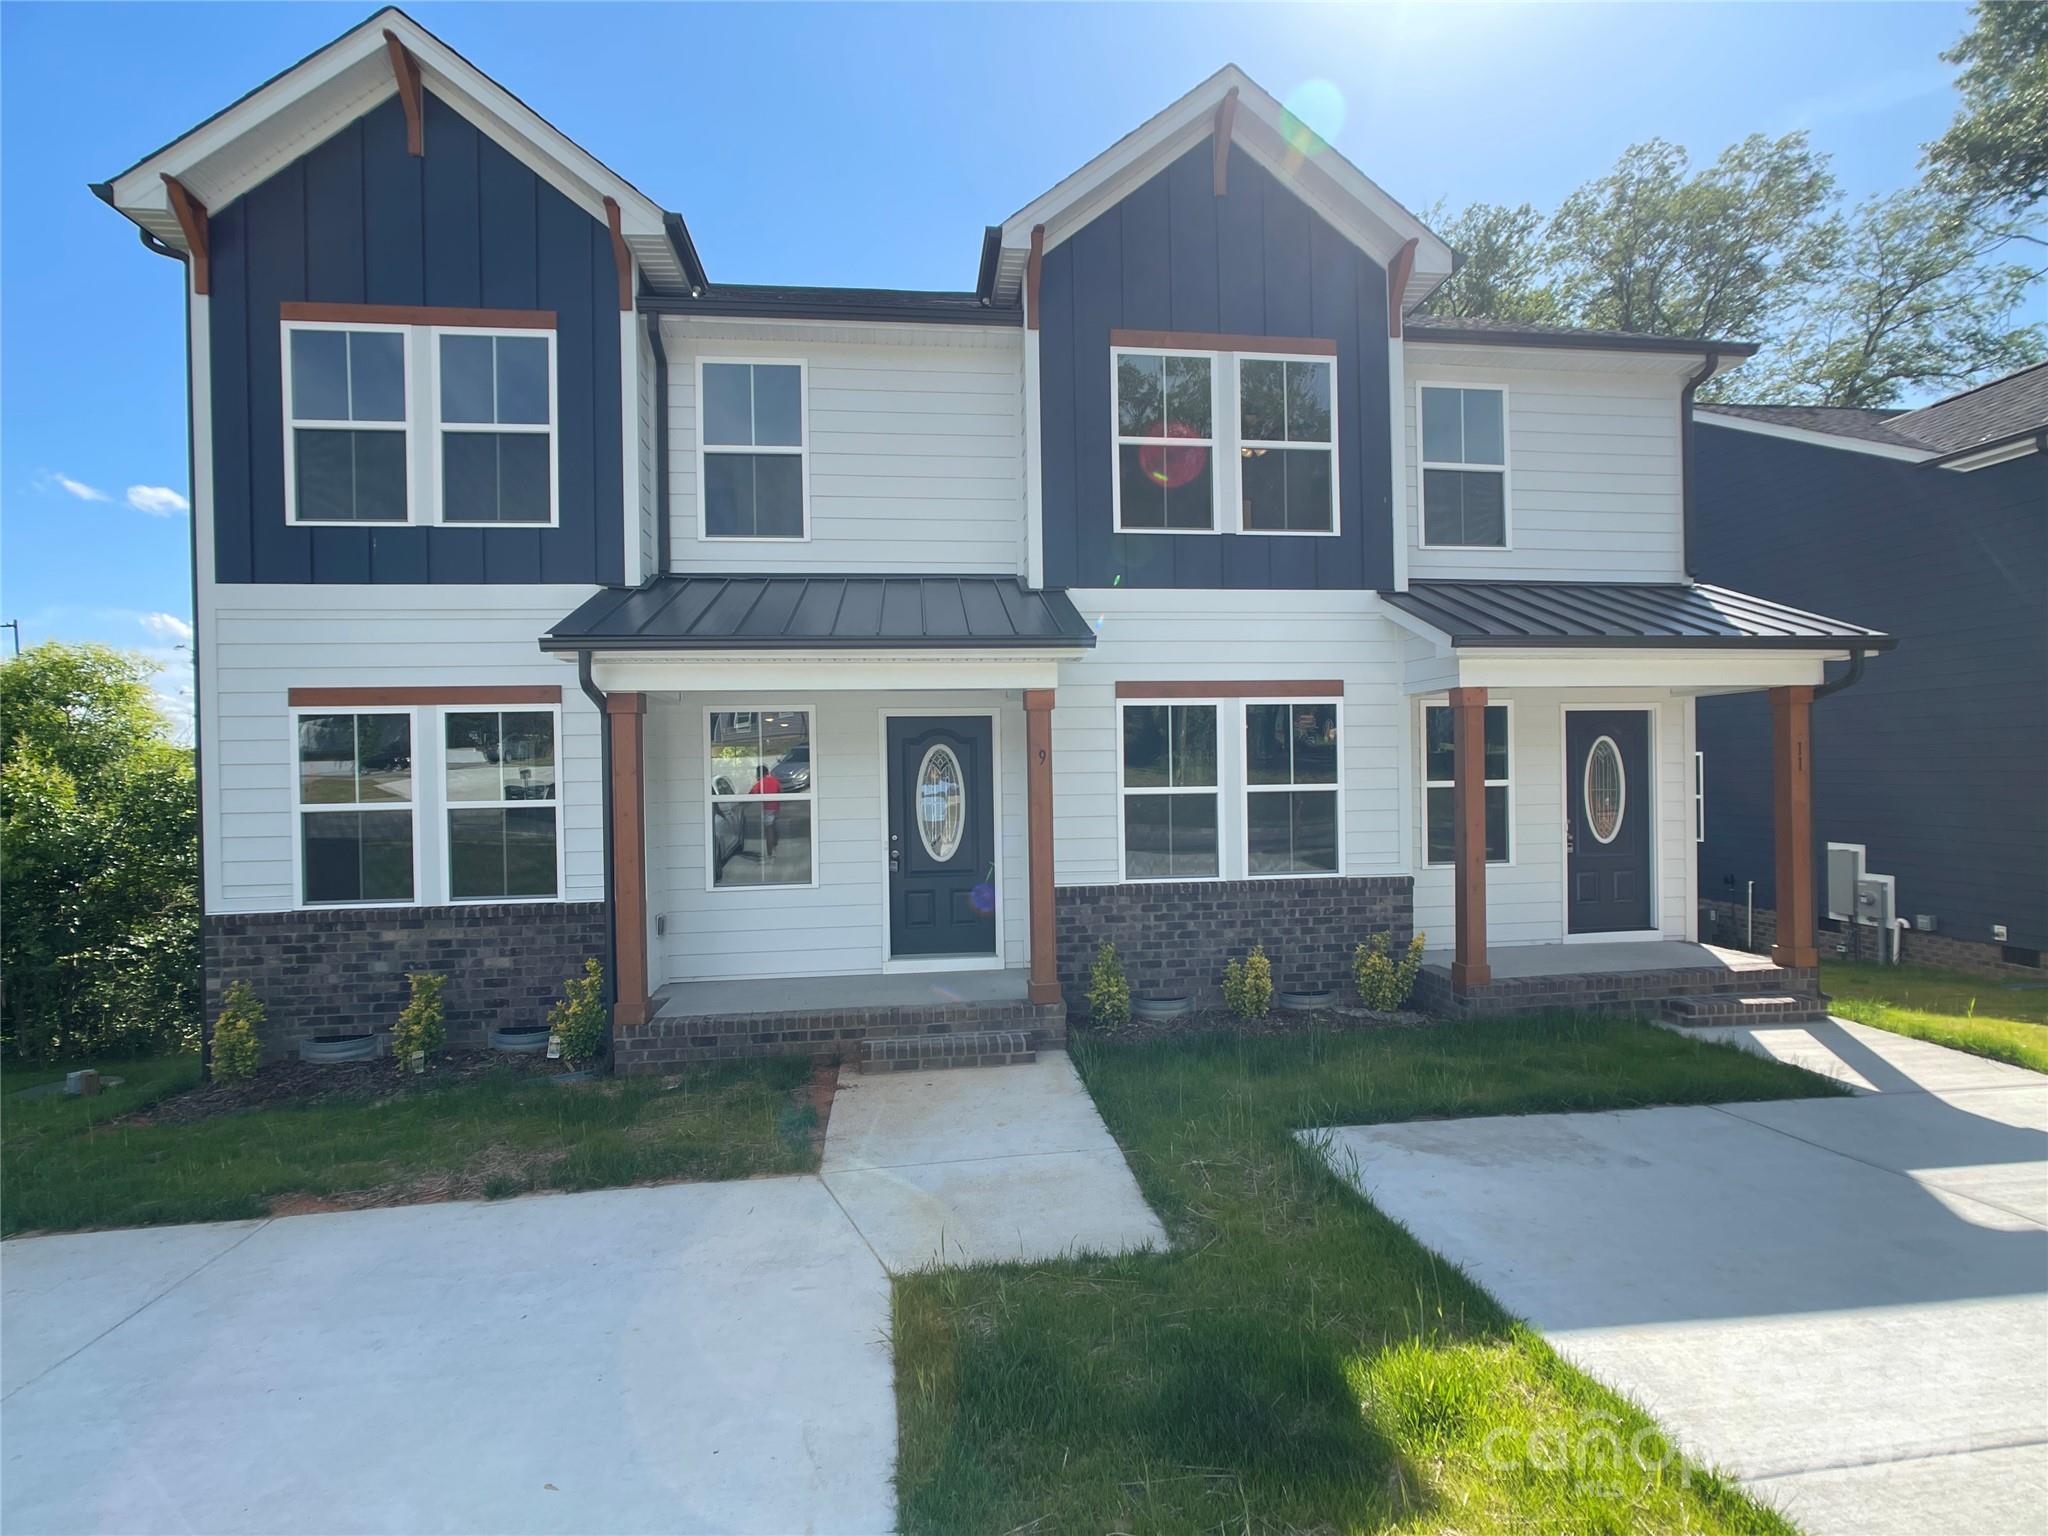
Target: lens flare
1314 117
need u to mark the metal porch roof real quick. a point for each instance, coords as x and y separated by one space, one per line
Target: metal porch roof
1539 615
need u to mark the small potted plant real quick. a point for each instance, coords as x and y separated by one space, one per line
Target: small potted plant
576 1024
421 1030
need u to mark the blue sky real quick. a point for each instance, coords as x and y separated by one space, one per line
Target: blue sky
852 144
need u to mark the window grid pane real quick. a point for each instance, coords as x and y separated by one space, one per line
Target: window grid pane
355 817
1439 778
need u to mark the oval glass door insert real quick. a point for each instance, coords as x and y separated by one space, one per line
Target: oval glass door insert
1606 790
941 803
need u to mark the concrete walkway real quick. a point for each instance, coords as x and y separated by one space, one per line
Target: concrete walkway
1844 1302
686 1358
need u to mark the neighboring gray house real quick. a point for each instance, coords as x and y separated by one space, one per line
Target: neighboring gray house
1934 524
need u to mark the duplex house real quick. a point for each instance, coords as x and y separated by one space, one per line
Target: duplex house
835 662
1933 523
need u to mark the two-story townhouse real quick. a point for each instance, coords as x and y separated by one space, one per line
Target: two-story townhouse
841 662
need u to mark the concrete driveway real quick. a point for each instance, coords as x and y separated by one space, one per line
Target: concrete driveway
1844 1302
688 1358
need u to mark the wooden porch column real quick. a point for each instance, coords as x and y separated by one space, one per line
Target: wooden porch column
1792 820
1045 969
1468 723
625 718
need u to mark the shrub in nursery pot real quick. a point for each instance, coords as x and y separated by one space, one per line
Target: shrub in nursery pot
576 1024
1109 990
237 1050
421 1029
1383 982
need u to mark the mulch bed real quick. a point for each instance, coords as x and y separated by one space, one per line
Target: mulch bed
283 1083
1210 1021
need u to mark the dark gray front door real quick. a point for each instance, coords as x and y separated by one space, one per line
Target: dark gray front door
942 846
1607 797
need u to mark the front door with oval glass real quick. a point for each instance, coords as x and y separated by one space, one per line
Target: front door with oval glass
1607 836
942 885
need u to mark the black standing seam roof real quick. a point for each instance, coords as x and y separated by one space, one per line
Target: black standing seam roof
1594 614
777 612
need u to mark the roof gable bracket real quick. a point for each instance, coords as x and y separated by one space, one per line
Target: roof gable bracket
1226 119
1398 271
622 257
407 70
192 222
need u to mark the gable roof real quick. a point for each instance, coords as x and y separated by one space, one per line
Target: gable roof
1969 423
1344 196
245 143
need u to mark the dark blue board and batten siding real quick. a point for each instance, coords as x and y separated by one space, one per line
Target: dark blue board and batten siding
359 221
1172 256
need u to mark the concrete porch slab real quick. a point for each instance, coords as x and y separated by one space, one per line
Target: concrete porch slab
840 994
1513 962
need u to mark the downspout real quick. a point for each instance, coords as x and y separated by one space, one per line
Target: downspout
611 911
1692 383
661 528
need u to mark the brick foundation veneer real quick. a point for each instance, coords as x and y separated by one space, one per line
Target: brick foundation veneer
668 1041
1726 922
341 972
1175 936
1608 991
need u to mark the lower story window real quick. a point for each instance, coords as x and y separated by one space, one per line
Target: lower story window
355 807
1439 770
762 797
1169 792
1290 754
503 827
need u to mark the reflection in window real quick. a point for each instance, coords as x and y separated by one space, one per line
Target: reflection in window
1439 773
502 825
1291 768
752 420
1165 441
354 807
760 778
346 415
1169 791
1288 478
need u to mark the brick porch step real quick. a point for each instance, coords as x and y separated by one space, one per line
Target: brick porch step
1744 1008
972 1048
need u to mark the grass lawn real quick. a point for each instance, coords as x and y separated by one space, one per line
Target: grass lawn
65 1165
1298 1361
1984 1015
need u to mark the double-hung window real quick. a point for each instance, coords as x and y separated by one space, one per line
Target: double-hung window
1291 757
762 794
751 420
503 824
1439 773
1165 442
1168 786
1287 456
354 791
346 424
1464 467
497 439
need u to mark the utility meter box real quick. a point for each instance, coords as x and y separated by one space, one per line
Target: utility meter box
1877 901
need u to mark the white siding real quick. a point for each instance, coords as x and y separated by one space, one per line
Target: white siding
840 927
263 641
1525 898
916 451
1215 636
1593 475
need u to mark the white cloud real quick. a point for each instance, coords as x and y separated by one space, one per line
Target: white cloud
77 488
156 500
173 653
168 628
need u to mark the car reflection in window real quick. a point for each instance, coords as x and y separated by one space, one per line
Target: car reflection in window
728 828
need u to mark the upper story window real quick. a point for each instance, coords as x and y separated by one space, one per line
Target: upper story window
497 436
1464 467
1224 441
751 449
481 401
345 424
1286 449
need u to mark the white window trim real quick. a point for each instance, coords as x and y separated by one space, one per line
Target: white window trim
422 345
1222 446
432 373
713 801
408 424
1123 870
1699 797
1238 359
1250 789
1423 465
801 452
300 810
1440 701
449 804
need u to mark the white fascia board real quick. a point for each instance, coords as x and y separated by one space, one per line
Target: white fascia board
1708 416
1994 453
825 671
1420 628
349 76
1681 671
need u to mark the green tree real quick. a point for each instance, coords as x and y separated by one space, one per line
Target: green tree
99 923
1502 272
1920 298
1995 154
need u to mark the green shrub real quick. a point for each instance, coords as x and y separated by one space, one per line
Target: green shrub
1109 990
421 1029
1248 985
237 1050
1383 982
577 1022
